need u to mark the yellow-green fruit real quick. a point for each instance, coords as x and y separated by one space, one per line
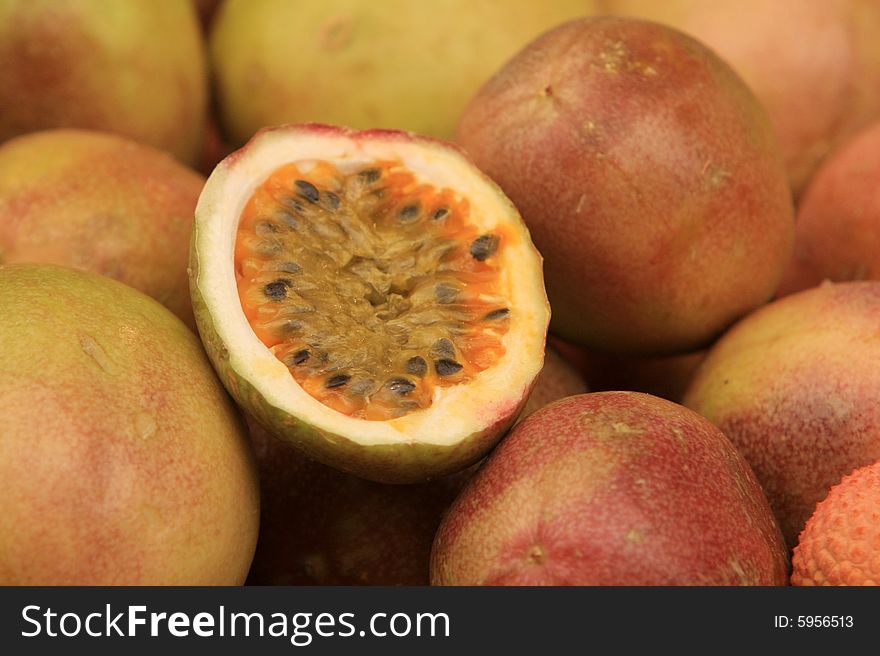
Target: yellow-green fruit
122 460
397 63
136 68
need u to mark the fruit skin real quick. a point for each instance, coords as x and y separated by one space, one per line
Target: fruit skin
613 488
814 64
794 387
122 462
137 69
838 220
666 376
841 542
391 64
100 203
320 526
649 178
254 381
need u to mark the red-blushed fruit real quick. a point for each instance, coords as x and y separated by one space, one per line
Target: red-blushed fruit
649 177
122 459
613 488
814 64
838 220
666 376
795 387
320 526
136 69
841 542
101 203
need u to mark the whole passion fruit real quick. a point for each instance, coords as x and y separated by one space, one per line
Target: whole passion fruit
370 296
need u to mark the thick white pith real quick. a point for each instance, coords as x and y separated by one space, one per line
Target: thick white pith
457 411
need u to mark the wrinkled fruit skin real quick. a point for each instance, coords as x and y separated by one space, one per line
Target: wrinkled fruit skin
138 70
841 542
613 488
824 56
838 219
322 527
794 386
100 203
403 65
122 462
649 178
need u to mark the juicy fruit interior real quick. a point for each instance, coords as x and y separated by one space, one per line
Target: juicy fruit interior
370 285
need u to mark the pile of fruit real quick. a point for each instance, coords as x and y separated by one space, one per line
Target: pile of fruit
273 307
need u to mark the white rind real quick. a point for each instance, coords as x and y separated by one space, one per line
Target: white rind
457 412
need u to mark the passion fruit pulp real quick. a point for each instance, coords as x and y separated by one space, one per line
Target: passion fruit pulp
369 296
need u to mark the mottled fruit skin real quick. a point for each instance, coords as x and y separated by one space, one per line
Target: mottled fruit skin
795 386
666 376
813 64
122 460
101 203
321 526
614 488
841 542
392 64
838 219
136 68
649 177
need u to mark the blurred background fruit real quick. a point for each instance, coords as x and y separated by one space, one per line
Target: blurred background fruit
391 64
101 203
814 64
136 68
841 542
612 488
649 177
795 387
122 460
838 220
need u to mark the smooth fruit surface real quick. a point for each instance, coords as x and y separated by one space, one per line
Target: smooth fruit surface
794 387
391 64
649 177
370 296
136 68
122 462
841 542
838 218
100 203
813 64
611 488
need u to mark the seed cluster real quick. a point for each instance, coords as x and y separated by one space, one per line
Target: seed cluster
373 288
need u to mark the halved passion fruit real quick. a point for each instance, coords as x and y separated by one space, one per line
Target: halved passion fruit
369 296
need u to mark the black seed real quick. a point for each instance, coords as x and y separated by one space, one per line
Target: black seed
483 247
400 386
494 315
440 213
443 348
331 200
447 367
370 175
276 290
409 213
289 267
292 326
445 293
417 366
289 220
361 387
264 228
308 191
297 358
337 380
